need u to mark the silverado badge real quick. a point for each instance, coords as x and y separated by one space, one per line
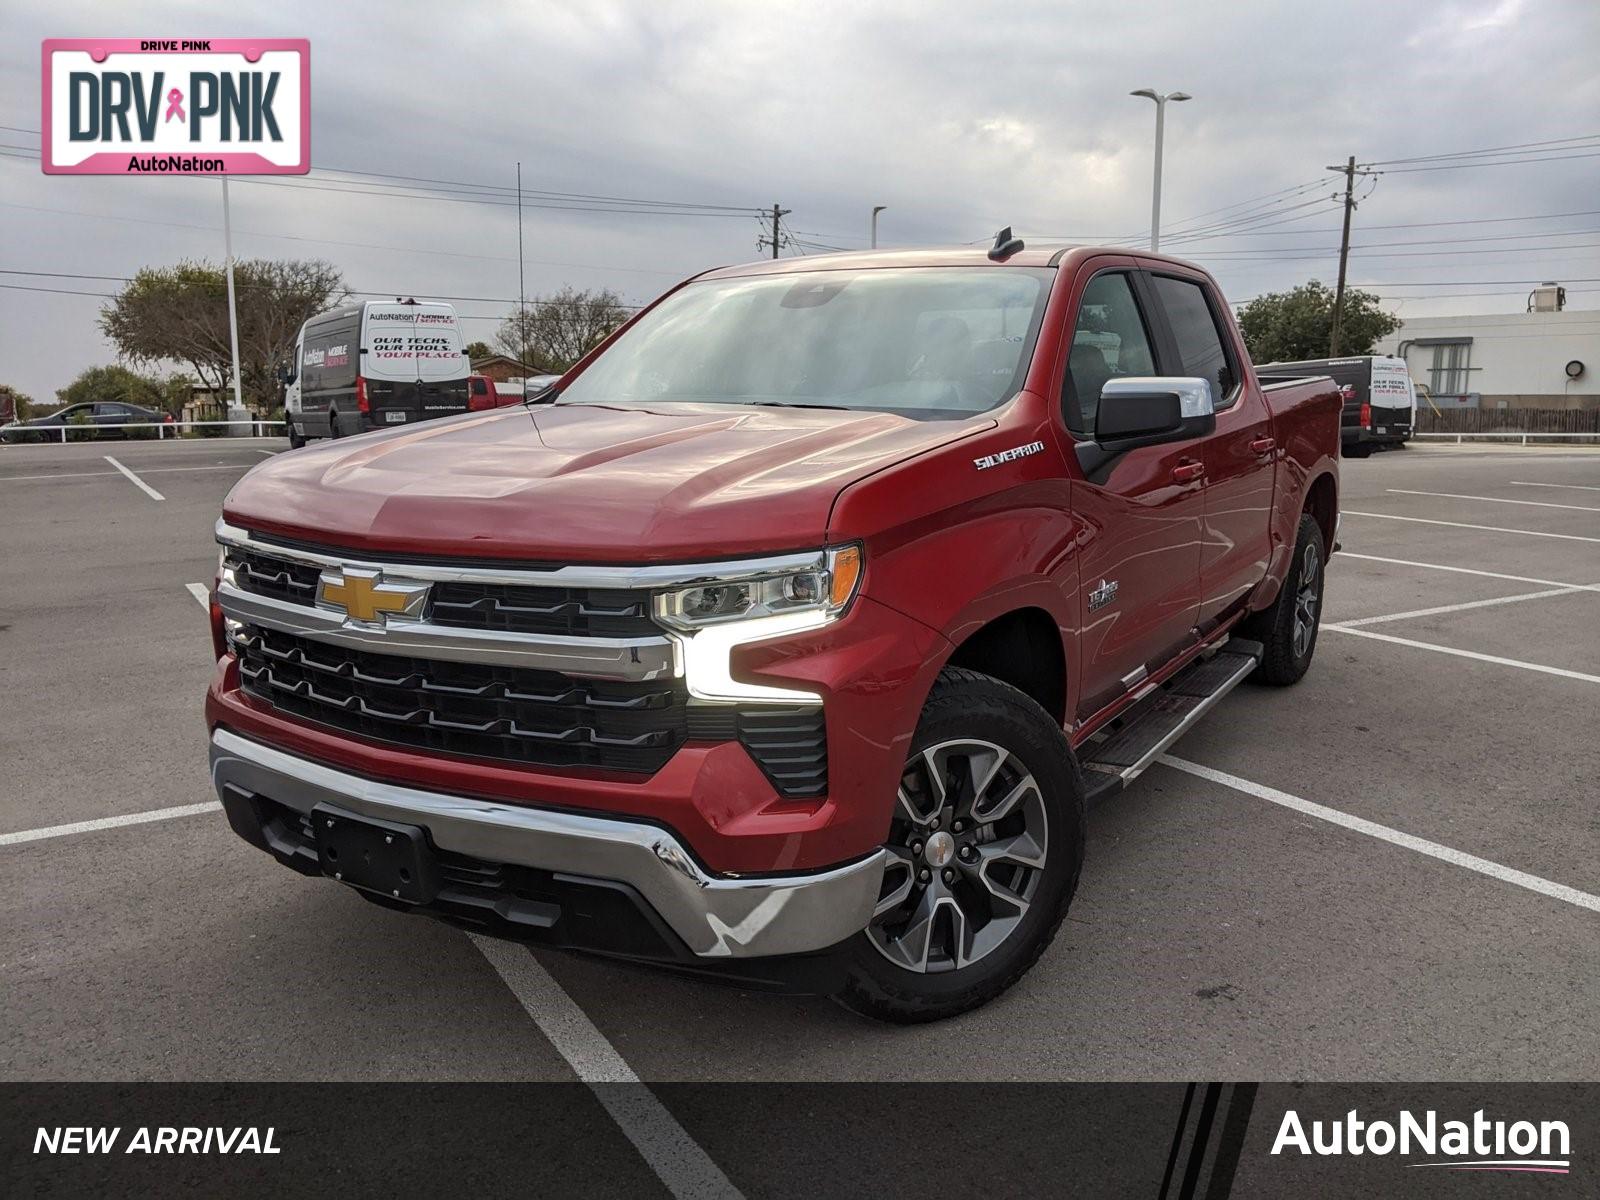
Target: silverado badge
363 596
1103 594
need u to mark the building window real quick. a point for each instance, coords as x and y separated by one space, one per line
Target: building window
1451 362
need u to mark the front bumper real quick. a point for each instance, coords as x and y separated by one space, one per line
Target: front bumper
715 917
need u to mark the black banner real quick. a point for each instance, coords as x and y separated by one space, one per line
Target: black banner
1163 1141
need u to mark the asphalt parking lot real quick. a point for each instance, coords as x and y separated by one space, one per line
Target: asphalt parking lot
1391 871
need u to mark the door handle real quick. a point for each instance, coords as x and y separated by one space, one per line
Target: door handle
1188 472
1263 445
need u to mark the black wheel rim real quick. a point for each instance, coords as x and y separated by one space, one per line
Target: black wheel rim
966 854
1307 598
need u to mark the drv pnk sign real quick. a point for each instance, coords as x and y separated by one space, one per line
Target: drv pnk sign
209 106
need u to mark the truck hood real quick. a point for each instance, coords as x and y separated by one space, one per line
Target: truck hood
585 483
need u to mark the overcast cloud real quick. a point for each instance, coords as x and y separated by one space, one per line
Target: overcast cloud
959 117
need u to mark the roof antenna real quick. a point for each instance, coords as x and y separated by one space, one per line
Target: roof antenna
1004 245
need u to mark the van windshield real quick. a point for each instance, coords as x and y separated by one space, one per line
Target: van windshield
927 342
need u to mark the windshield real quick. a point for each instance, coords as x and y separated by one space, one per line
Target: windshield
927 342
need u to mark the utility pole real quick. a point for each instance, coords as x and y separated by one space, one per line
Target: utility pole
876 209
1161 124
522 285
1349 172
776 239
233 308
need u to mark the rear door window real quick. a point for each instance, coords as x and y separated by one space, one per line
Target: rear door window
1198 339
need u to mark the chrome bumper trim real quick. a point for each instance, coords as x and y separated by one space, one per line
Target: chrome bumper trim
716 916
635 659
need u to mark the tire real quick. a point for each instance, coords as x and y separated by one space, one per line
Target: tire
296 438
334 433
1030 849
1358 450
1288 630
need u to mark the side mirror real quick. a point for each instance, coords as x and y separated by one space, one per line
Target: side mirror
285 376
1147 410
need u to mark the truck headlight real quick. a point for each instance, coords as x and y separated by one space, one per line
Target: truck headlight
714 615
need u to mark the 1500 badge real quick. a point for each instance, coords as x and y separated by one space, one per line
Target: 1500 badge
1005 456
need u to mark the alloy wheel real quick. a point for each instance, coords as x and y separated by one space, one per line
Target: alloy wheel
967 852
1307 596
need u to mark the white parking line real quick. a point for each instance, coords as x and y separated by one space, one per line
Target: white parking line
139 818
1450 608
268 453
201 593
147 471
1582 487
1406 562
1458 858
1472 654
1493 499
1566 537
673 1155
137 482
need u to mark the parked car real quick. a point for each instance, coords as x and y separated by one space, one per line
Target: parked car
1379 398
373 366
790 643
102 419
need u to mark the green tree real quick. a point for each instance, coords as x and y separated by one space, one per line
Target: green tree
559 329
112 385
1285 326
180 314
14 405
476 350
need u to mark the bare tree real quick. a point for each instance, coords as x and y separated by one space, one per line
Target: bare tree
180 314
559 329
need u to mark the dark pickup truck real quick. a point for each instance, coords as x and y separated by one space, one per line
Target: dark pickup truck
790 643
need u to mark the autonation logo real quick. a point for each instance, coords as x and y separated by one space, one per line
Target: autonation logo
1476 1145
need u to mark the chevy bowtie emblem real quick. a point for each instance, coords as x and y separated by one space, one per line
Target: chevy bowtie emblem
362 596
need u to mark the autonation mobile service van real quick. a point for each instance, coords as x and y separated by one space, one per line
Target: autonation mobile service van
375 365
1379 398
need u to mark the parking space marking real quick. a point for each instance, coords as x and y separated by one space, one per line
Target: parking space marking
201 593
675 1157
1493 499
1566 537
147 471
139 818
1406 562
1472 654
268 453
1450 608
1458 858
137 482
1582 487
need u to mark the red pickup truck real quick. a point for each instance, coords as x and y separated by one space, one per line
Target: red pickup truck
790 643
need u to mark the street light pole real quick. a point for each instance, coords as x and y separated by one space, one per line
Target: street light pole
1161 121
876 209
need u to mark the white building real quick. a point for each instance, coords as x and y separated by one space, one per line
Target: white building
1540 359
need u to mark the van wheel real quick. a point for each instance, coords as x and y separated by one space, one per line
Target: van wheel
985 848
1358 450
296 438
334 432
1288 630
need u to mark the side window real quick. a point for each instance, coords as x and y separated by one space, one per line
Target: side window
1194 329
1109 340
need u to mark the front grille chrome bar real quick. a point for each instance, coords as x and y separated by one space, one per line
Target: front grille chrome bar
633 659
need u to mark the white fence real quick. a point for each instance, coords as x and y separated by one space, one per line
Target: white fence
177 428
1521 435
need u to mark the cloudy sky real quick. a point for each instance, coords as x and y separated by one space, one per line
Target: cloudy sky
960 117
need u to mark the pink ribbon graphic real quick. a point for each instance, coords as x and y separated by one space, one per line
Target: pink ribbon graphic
175 106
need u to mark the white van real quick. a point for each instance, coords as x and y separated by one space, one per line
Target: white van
375 365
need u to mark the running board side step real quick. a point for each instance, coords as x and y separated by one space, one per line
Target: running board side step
1115 760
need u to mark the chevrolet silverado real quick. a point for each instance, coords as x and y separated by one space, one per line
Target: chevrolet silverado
790 644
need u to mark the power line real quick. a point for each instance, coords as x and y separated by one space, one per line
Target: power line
1506 162
1383 162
